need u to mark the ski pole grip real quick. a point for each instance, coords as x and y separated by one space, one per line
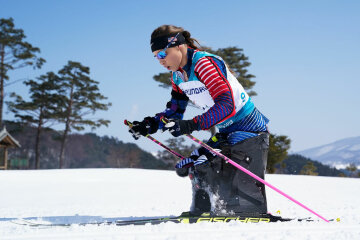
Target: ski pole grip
164 120
128 123
167 122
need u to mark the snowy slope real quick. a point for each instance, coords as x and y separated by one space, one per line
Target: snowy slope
338 154
104 193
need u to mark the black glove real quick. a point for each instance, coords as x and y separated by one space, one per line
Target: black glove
148 126
180 127
197 157
182 172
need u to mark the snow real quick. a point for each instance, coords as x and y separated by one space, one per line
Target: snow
347 155
340 166
342 148
85 194
355 147
324 150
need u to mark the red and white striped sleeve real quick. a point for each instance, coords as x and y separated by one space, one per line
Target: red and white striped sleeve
209 73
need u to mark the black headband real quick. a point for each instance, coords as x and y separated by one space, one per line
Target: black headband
161 42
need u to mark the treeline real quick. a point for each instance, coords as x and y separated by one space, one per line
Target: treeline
296 164
83 151
92 151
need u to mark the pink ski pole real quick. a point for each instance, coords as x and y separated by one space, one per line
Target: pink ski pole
130 125
252 175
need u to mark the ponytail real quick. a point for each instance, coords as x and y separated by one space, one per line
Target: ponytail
191 42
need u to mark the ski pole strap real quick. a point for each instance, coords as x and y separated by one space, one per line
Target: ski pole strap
252 175
129 124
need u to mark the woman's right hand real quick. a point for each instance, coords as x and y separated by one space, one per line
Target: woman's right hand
147 126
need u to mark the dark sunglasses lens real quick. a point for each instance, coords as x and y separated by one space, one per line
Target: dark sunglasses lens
161 55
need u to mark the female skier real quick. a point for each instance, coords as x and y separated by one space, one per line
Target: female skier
206 80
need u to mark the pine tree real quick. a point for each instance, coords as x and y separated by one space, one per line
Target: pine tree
15 53
82 97
238 63
278 147
309 169
352 168
41 109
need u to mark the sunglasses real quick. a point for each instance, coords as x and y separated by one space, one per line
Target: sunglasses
162 54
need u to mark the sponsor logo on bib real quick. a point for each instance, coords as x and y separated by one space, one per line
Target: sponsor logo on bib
192 91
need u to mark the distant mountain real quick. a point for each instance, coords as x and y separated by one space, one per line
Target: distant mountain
338 154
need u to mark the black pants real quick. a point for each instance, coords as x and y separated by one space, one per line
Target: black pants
221 188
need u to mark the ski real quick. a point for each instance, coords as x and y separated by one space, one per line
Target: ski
185 218
206 217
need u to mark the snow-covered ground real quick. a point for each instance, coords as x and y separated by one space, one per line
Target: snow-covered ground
85 194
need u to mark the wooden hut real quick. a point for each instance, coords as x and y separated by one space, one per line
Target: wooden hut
7 141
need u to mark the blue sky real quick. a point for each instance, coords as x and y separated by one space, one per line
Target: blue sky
305 56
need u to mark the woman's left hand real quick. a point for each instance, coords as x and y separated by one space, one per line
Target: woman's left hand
180 127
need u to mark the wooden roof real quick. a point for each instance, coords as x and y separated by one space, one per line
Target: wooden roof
6 140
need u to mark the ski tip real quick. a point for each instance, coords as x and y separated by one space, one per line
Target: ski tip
338 219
